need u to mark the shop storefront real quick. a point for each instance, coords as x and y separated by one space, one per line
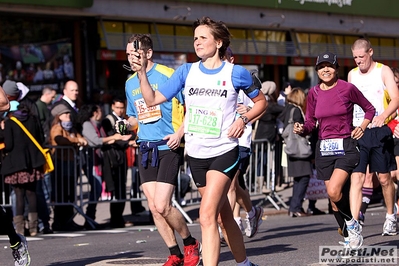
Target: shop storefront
280 38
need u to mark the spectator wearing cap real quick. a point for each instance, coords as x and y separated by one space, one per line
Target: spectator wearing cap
66 140
266 126
69 98
18 91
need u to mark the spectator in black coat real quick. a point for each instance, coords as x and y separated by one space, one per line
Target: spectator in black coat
114 164
23 164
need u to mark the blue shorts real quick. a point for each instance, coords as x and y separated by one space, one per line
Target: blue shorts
376 150
226 163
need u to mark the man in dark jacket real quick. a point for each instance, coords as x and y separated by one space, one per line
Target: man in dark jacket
114 165
43 104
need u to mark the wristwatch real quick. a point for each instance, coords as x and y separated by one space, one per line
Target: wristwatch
244 118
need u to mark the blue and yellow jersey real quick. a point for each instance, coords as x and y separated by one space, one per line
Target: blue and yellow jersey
158 121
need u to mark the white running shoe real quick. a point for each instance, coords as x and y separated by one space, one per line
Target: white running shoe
355 235
240 225
20 252
254 222
389 228
347 252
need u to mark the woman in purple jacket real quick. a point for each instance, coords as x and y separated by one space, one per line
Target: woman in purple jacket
330 105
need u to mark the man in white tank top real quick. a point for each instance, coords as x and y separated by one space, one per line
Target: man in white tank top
376 82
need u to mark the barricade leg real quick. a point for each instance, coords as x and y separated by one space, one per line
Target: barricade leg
265 149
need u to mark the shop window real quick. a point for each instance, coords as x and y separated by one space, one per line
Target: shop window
36 51
113 26
131 28
302 37
165 37
311 44
184 38
164 29
111 34
238 33
383 47
349 40
33 30
184 31
241 42
339 39
270 42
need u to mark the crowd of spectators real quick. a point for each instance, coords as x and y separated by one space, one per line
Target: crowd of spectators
83 143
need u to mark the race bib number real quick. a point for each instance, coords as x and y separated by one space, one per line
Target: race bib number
329 147
204 122
147 114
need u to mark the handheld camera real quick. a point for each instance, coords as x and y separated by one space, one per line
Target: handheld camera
136 44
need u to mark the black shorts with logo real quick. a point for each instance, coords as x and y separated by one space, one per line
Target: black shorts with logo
226 163
325 165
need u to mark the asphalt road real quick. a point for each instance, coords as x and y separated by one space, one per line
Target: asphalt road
281 240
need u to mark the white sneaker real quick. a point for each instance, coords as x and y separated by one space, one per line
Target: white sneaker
20 252
254 222
355 235
240 225
389 228
347 252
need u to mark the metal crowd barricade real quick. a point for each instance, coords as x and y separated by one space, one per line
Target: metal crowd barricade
92 181
72 183
64 189
77 181
90 184
261 173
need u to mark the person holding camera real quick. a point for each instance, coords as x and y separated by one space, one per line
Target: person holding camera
159 136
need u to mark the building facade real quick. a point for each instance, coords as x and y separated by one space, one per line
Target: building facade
279 38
